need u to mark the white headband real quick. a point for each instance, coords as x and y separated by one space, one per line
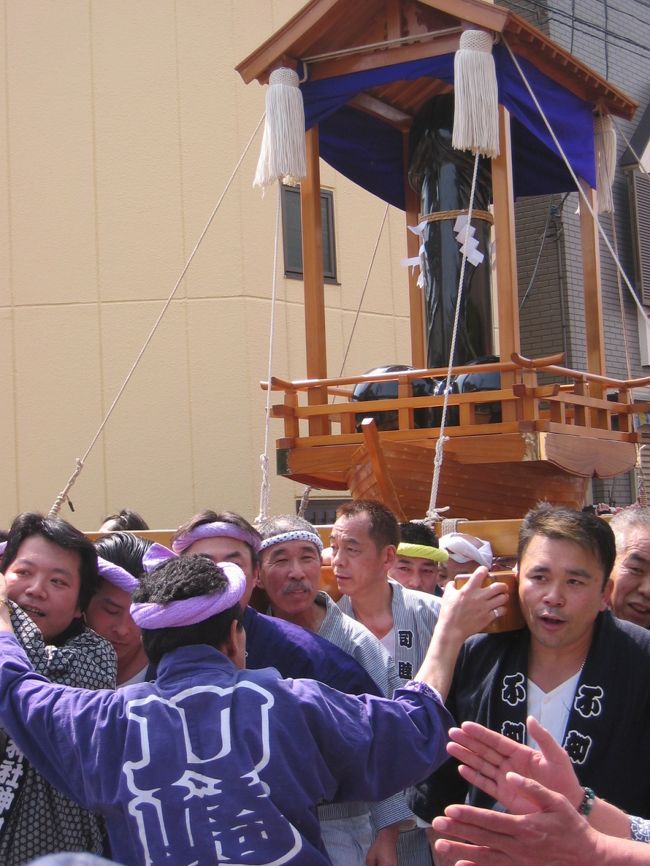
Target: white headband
467 548
294 535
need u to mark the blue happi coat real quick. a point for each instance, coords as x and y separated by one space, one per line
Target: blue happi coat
211 764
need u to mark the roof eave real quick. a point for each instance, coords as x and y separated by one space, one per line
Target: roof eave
261 62
525 39
565 68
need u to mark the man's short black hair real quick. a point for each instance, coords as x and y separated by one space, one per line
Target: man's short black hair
209 516
383 525
180 578
124 519
564 524
417 532
124 549
63 534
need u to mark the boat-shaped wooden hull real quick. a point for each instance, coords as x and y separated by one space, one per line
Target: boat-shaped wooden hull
482 477
545 442
475 491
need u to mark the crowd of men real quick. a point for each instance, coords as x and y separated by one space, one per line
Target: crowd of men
149 713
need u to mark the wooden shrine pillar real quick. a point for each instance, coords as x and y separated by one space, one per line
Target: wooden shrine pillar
506 254
416 294
312 267
595 333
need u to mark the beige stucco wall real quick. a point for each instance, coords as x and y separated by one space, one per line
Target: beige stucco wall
120 123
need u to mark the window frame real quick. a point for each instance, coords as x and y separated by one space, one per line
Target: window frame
291 269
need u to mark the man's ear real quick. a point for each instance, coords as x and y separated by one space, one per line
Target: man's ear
230 646
257 577
607 594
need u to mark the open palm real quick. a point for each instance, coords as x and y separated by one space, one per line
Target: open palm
487 756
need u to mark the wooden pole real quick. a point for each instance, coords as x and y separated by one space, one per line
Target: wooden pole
312 265
312 262
594 330
416 294
506 253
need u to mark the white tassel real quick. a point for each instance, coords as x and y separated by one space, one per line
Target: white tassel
605 135
476 96
282 156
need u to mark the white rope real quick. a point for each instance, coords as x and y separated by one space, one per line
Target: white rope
620 271
620 132
538 260
304 501
641 495
575 180
385 43
619 285
432 511
365 286
264 458
450 524
640 481
615 239
305 496
606 147
476 95
282 155
80 461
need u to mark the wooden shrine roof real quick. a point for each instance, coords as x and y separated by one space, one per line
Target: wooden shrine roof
375 33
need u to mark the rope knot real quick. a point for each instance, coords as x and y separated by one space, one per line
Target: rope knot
476 40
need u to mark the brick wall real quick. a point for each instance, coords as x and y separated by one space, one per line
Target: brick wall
613 40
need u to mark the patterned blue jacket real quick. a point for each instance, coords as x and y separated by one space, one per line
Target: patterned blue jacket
213 764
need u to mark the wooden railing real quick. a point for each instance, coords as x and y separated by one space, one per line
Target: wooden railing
321 411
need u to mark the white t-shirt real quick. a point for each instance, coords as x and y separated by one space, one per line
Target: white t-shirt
388 642
136 678
552 709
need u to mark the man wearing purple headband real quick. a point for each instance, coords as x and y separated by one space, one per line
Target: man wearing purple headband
50 570
212 763
270 642
119 564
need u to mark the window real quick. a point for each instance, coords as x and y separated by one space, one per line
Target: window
639 188
635 162
321 512
292 234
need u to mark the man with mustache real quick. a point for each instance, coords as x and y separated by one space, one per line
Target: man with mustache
290 562
212 762
228 537
577 669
